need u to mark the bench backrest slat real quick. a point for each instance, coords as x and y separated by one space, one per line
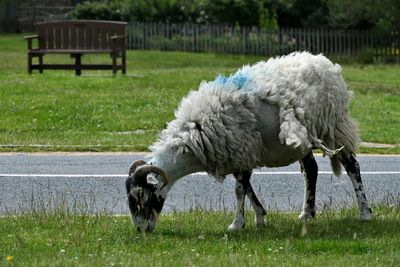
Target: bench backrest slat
79 34
65 37
103 37
49 38
57 37
89 38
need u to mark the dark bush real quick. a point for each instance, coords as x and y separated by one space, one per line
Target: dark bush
365 56
232 12
101 11
347 14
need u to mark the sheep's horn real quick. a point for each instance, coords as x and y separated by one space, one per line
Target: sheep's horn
135 165
142 171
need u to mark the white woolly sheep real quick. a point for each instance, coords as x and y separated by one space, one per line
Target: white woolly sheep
269 114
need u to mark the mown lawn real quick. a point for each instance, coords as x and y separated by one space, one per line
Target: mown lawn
198 238
99 112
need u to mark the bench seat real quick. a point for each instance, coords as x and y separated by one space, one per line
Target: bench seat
71 51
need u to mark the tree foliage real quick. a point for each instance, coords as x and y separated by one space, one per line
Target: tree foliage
233 12
345 14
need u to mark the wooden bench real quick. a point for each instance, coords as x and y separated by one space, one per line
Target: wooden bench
78 37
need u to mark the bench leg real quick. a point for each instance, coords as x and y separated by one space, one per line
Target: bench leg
114 63
41 64
78 64
123 63
29 63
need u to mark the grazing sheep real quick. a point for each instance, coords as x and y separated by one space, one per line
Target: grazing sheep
270 114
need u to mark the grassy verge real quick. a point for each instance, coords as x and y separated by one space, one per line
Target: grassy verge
335 238
98 112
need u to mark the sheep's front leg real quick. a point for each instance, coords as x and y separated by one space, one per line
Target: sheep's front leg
353 170
243 188
240 191
258 208
310 169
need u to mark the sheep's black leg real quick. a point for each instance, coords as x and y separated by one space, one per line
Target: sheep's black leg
353 170
310 169
243 188
257 206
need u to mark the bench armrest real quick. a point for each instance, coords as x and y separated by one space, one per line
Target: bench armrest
31 36
29 39
115 37
121 44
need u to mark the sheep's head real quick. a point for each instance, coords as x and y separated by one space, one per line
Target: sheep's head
146 197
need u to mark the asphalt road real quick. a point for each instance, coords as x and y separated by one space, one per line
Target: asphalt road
95 183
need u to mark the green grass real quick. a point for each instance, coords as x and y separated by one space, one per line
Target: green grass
98 112
376 103
335 238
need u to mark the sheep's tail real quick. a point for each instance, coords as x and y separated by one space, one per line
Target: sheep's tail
332 154
336 166
345 138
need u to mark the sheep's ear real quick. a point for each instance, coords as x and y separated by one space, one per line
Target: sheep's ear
158 175
151 179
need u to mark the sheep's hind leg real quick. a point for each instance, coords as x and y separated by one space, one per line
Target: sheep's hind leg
243 188
310 169
353 170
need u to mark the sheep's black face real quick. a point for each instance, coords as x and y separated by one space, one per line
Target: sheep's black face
145 201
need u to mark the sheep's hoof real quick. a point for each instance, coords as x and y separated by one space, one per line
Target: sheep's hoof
260 223
366 215
235 227
304 216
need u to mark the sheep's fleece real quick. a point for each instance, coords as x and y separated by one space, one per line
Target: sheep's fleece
217 122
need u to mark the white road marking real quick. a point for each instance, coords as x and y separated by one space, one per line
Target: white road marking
329 172
199 173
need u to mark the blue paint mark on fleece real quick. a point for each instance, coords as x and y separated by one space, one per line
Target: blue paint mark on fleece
239 79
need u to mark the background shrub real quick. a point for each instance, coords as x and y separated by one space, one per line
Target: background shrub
365 56
114 10
232 12
342 14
